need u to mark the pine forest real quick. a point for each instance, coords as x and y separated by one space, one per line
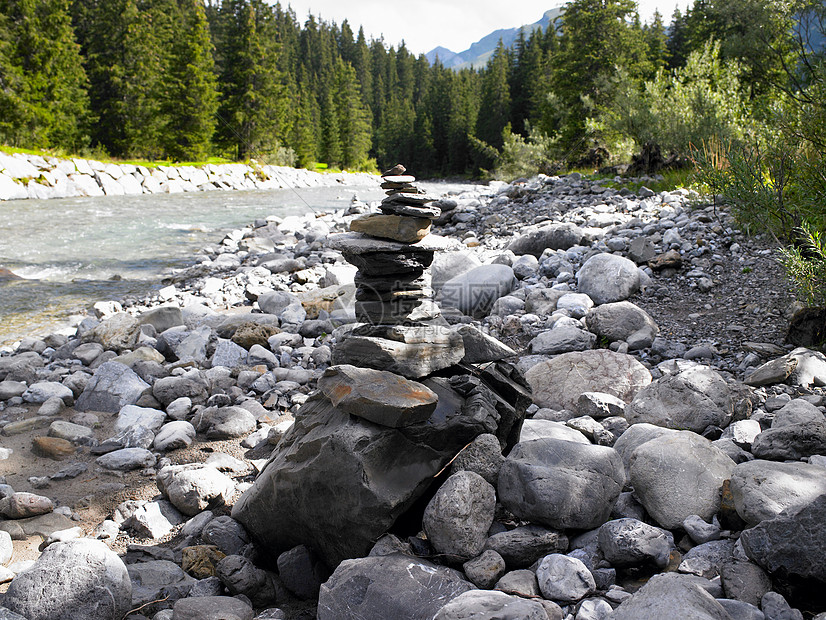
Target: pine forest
184 80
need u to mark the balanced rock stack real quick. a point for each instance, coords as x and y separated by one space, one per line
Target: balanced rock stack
403 330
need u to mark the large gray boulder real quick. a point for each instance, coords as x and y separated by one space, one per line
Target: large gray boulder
678 475
563 578
763 489
792 548
459 516
630 542
274 302
194 487
670 595
474 292
118 332
798 431
112 387
38 393
635 436
224 422
623 321
389 586
606 278
491 605
80 579
691 400
558 383
157 584
162 318
190 384
560 236
562 339
536 428
132 415
561 484
448 265
337 482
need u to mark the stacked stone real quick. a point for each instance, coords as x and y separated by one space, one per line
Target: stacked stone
393 286
393 250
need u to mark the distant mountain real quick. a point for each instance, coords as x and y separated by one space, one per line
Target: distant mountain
477 55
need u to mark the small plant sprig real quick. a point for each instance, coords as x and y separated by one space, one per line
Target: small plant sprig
805 264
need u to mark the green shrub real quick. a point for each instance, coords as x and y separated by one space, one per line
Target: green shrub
805 264
521 157
701 101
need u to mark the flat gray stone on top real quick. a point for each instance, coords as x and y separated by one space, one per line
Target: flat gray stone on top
359 243
379 396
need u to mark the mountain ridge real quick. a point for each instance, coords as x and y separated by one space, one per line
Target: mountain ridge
479 52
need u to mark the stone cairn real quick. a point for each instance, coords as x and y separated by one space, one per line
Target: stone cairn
402 329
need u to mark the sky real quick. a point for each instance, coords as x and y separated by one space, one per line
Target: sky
454 24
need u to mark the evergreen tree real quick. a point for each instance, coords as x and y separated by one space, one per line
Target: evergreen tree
526 80
351 116
330 147
127 45
12 89
42 67
495 105
677 40
464 112
597 40
656 40
192 96
304 138
253 107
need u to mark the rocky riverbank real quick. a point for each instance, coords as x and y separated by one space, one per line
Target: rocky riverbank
25 176
625 433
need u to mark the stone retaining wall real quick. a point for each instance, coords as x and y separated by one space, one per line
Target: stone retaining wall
33 176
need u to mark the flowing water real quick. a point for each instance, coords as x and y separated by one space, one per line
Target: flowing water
74 252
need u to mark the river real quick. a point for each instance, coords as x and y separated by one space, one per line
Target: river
74 252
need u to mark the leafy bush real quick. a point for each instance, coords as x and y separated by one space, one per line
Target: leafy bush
805 264
699 102
521 157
